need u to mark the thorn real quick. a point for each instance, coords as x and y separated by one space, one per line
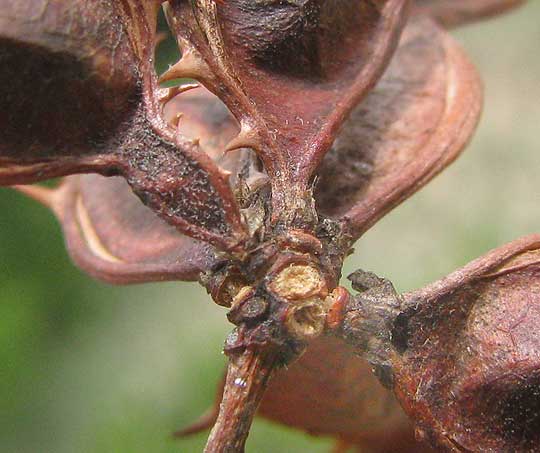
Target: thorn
256 180
170 73
236 143
187 86
175 120
225 173
190 65
247 138
166 94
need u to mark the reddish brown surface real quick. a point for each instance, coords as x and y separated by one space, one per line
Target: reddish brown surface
410 127
451 13
331 391
247 377
239 181
114 237
307 50
469 367
51 53
104 50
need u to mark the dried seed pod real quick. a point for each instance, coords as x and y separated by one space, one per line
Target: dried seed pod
287 52
290 72
114 237
332 391
409 128
462 353
68 79
80 95
111 235
468 369
451 13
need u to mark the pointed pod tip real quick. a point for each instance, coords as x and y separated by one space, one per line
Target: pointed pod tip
166 94
204 422
169 74
207 419
43 195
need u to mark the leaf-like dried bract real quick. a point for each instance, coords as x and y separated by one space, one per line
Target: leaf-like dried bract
409 128
111 235
452 13
79 94
285 53
467 363
331 391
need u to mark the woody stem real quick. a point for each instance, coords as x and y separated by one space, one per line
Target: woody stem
247 376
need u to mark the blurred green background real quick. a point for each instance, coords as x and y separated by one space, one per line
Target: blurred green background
87 367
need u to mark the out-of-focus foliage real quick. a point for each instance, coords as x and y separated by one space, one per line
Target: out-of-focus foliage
87 367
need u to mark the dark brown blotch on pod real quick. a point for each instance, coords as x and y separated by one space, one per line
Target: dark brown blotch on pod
69 77
468 363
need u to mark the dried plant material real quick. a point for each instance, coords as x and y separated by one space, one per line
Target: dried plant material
410 127
112 236
330 52
483 393
297 281
331 391
250 202
51 53
115 127
204 119
451 13
247 377
306 319
462 354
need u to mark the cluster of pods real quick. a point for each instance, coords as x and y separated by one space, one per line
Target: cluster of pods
295 126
